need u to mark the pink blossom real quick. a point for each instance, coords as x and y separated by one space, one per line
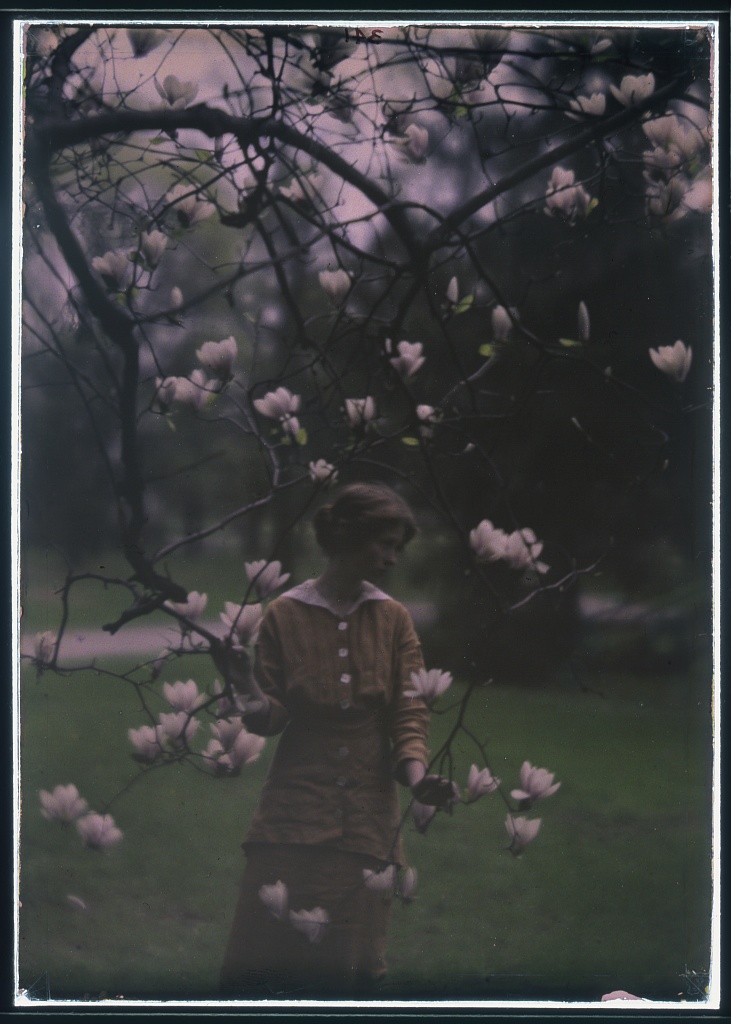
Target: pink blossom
187 205
147 741
336 285
266 576
633 88
522 831
409 358
481 782
63 804
673 360
564 196
244 621
152 246
183 696
428 684
113 268
618 994
280 405
311 923
407 884
193 608
522 549
360 410
98 831
380 881
422 814
218 357
322 472
275 898
177 728
535 783
176 93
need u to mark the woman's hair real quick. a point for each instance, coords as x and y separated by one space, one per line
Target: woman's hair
358 514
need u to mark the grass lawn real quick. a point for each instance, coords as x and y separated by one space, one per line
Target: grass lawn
615 893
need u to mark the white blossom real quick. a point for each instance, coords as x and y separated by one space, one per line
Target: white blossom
633 88
63 804
177 728
522 831
176 297
535 783
186 204
98 831
233 745
280 405
183 696
322 472
481 782
266 576
176 93
409 358
428 684
565 197
196 390
113 268
380 881
336 285
583 321
675 135
407 884
593 105
147 741
488 541
360 410
218 357
422 814
311 923
152 246
522 549
275 898
502 323
243 621
192 608
453 292
673 360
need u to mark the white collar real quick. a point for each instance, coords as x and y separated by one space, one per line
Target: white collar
308 593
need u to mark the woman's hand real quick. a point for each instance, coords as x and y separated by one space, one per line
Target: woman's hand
234 664
435 791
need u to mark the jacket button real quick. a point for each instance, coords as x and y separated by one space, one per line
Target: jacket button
342 625
344 704
345 678
343 652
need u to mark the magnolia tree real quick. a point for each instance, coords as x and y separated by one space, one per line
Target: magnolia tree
327 255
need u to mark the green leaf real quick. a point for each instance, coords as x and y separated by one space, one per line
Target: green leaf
592 206
412 442
158 140
464 304
461 111
203 154
171 425
569 343
487 350
301 436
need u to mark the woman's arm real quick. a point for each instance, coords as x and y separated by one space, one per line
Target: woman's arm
429 789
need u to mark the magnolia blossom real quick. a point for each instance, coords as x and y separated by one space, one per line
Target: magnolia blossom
674 134
522 549
147 741
266 576
502 323
427 414
422 814
113 268
453 292
98 831
322 472
196 390
407 884
336 285
409 358
535 783
633 88
165 391
280 405
584 322
183 696
218 357
275 898
522 831
488 541
666 198
673 360
225 706
311 923
63 804
176 297
177 728
413 144
143 40
176 93
233 745
360 410
380 881
593 105
618 994
44 644
193 608
428 684
244 621
188 207
481 782
152 246
564 196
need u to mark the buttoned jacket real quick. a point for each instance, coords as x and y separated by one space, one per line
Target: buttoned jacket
335 686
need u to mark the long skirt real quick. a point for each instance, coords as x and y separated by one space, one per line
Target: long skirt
268 957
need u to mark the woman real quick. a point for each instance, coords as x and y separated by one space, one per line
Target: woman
332 659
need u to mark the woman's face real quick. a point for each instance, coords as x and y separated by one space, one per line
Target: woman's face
372 560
